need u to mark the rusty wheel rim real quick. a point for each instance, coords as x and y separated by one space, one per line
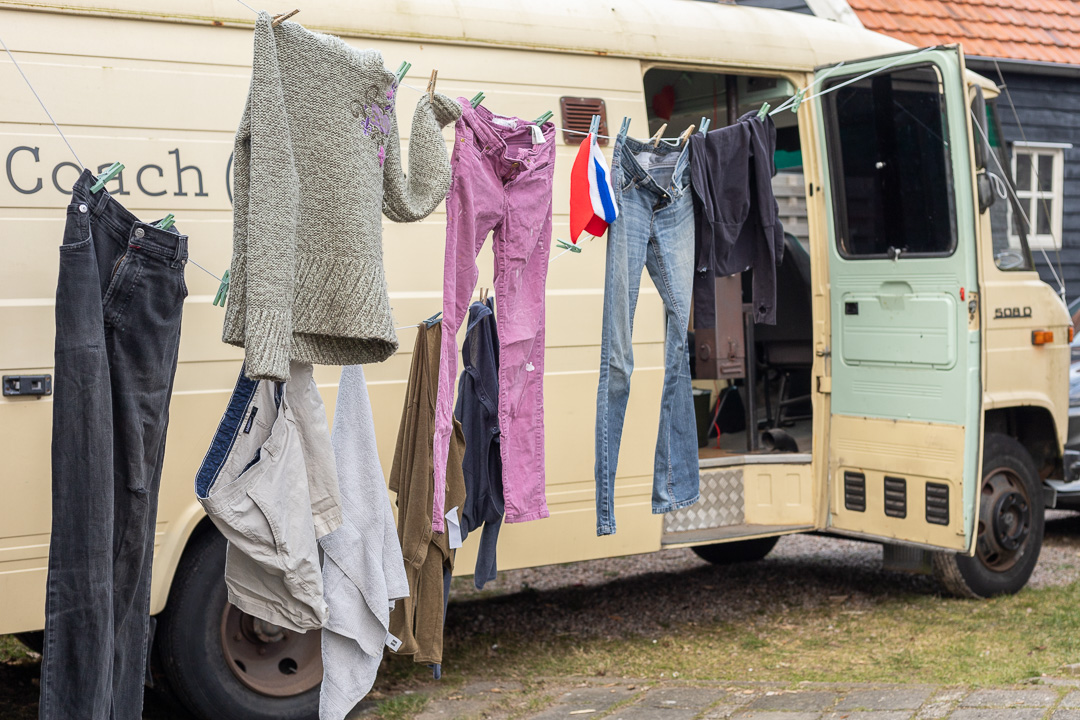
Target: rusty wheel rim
267 658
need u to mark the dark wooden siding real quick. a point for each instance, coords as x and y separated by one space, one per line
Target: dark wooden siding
1049 111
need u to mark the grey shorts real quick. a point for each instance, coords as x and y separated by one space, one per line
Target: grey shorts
269 484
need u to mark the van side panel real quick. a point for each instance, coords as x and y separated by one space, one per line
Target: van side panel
164 99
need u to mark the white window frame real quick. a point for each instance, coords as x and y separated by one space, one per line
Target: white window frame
1029 197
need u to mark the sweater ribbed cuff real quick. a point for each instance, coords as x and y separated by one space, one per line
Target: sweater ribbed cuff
447 110
267 344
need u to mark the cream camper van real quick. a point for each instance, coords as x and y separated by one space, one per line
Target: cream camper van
913 392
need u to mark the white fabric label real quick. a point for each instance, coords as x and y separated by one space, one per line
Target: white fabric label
505 122
538 135
392 642
453 528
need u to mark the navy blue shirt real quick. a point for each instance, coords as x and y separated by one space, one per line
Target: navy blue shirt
478 412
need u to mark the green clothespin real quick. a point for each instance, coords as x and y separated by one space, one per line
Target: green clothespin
403 68
222 291
543 118
563 245
703 126
166 222
763 111
113 170
477 99
797 101
594 125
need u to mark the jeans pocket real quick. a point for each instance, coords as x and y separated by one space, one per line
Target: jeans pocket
257 518
77 230
121 286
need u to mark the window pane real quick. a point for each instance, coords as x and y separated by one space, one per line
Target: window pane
1018 222
1046 172
891 174
1023 171
1045 207
1010 253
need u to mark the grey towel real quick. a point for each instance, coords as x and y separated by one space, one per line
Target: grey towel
363 570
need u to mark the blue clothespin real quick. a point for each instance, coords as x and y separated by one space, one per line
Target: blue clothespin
477 99
563 245
543 118
113 170
402 69
166 222
797 101
763 111
594 125
433 319
703 126
222 291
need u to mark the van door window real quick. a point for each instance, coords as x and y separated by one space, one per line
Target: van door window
891 174
1008 240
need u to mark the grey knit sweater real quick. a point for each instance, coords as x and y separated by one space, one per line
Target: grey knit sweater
317 162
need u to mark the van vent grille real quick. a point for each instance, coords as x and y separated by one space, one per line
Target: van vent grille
855 491
895 497
577 114
937 503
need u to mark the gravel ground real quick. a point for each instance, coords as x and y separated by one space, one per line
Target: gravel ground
647 594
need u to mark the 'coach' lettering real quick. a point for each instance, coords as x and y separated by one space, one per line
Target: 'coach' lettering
33 151
138 179
180 176
56 172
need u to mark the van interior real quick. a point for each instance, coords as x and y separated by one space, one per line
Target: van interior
767 391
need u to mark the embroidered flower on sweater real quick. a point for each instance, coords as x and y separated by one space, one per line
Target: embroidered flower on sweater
377 116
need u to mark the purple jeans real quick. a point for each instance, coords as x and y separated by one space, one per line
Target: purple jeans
502 183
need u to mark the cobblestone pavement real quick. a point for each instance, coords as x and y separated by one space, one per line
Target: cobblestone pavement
628 700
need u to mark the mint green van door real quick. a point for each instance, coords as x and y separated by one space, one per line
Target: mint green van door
904 350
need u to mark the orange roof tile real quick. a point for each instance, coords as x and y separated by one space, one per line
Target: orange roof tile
1042 30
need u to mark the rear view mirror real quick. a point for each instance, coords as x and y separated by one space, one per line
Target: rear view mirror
981 127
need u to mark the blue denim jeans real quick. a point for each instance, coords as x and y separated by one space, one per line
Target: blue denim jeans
655 229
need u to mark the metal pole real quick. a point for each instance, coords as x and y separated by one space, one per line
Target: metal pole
731 85
751 378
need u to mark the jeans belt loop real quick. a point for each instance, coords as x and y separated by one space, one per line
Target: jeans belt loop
179 253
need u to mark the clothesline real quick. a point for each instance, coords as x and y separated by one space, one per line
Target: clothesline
64 137
784 105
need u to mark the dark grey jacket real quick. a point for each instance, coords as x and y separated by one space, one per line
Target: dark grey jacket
738 227
478 412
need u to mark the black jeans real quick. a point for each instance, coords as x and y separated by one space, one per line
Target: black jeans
119 300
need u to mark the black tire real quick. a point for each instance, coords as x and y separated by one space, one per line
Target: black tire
1010 526
190 645
736 552
34 640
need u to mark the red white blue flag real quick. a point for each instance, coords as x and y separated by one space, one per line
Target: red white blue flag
592 202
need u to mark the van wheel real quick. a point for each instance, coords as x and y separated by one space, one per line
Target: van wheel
224 664
736 552
1010 526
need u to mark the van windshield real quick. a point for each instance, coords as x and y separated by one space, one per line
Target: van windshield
891 172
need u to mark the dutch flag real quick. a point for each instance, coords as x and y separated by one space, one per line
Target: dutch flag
592 202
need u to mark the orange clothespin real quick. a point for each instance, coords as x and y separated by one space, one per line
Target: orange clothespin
431 85
659 134
278 19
